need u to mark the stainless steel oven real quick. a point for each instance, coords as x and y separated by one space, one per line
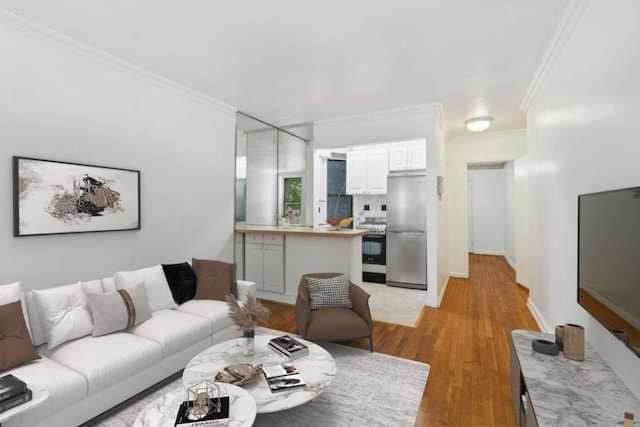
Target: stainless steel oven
374 258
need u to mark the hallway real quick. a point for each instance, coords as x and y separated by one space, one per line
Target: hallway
466 342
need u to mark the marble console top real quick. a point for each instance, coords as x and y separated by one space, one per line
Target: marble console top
317 368
564 392
163 411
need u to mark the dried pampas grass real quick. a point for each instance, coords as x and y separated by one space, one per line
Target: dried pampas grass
249 314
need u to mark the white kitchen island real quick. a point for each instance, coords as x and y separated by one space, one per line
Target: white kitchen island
277 257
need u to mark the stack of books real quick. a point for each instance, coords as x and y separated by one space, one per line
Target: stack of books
289 347
218 416
283 377
13 392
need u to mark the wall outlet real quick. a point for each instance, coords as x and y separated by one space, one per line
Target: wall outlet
384 207
366 207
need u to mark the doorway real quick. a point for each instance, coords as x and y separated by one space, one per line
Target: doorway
491 209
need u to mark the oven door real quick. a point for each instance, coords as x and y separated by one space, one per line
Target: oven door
374 249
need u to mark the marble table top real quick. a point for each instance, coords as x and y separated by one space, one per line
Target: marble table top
163 411
318 370
565 392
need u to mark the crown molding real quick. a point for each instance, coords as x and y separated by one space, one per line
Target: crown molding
434 108
570 18
41 34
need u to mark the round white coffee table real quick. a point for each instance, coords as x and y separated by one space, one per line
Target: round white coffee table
318 370
163 411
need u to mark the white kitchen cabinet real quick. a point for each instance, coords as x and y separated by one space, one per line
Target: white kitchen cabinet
411 155
367 171
264 261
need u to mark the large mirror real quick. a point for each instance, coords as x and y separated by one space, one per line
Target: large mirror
271 174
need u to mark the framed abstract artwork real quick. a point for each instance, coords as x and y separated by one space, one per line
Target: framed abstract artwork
51 197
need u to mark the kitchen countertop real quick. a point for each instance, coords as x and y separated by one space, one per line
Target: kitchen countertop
299 231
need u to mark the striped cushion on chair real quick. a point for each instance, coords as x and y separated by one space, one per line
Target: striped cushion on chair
329 293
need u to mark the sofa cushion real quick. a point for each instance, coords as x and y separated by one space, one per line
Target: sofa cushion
64 313
13 292
66 387
109 284
158 291
107 360
118 310
173 330
329 293
182 281
214 310
15 343
215 279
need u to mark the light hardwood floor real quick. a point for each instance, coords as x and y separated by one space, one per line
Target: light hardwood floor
466 342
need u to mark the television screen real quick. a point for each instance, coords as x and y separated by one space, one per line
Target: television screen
609 261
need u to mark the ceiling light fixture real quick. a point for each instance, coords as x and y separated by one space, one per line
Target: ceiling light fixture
478 124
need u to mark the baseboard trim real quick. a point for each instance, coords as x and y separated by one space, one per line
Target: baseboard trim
444 289
458 276
542 324
511 263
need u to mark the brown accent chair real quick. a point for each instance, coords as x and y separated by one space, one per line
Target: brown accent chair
334 324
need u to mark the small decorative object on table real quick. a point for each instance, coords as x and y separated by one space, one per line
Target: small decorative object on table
338 223
239 374
573 342
246 318
545 347
288 346
204 406
283 377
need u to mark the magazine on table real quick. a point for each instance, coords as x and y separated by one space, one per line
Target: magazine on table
289 347
283 377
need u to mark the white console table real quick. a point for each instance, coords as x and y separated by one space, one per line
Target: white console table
556 391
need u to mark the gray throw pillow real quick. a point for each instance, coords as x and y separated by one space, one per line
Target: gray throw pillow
118 310
329 293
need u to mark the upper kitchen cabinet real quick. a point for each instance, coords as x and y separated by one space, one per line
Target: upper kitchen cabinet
367 171
409 155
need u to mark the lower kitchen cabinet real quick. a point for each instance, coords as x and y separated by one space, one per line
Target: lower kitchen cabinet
264 261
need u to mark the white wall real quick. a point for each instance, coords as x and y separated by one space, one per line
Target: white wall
502 146
488 210
583 137
388 126
59 103
510 214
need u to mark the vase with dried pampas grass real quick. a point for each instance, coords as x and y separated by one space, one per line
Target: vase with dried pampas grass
246 317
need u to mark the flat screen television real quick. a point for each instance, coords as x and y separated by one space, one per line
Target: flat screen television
609 261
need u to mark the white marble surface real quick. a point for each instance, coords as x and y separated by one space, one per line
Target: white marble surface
564 392
318 369
163 411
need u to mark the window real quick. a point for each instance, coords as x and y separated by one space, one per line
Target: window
293 199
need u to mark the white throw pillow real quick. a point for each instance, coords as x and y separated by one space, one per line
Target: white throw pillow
64 313
118 310
13 292
155 282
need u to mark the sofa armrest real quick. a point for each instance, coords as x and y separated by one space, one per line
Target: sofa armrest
244 288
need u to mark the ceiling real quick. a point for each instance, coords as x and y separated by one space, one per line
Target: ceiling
293 61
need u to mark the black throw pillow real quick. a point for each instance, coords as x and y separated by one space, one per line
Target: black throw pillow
182 281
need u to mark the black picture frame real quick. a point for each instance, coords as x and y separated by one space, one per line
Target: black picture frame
55 197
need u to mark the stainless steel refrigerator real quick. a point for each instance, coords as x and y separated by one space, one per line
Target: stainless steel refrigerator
407 230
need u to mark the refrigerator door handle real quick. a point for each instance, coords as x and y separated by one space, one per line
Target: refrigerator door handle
405 230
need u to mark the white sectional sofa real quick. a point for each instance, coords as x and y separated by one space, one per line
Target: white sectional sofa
88 375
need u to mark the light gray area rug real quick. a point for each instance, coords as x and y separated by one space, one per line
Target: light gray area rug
395 305
370 389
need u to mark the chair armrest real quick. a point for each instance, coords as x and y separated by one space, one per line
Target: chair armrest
360 302
303 312
244 288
